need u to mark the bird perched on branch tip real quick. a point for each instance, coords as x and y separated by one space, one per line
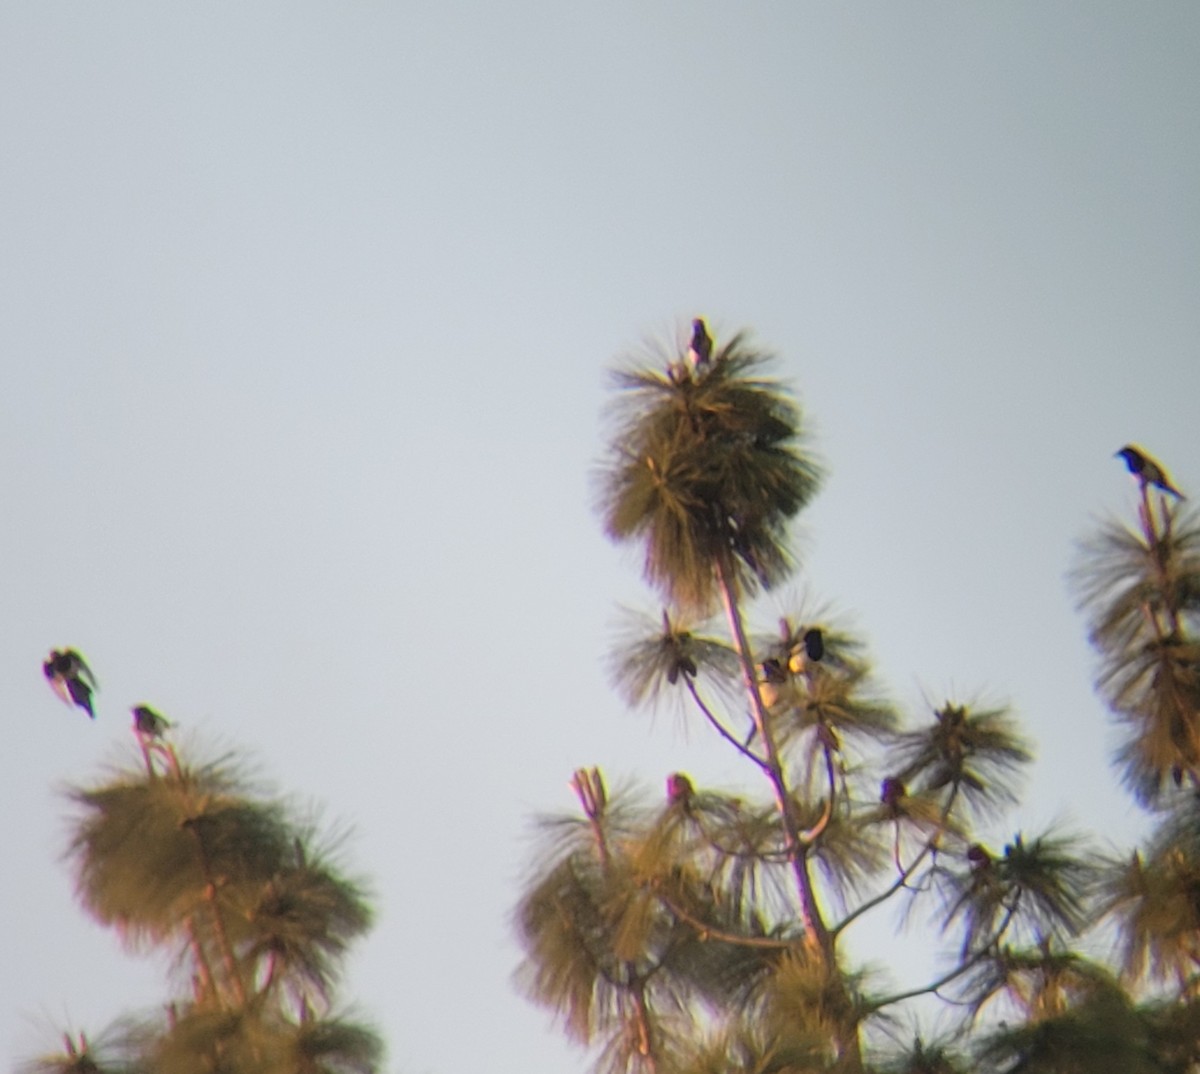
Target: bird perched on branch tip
679 789
1147 470
700 349
148 723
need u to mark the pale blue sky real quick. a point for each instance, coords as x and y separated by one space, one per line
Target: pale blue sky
305 315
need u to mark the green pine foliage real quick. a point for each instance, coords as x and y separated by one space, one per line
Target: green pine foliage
193 861
703 930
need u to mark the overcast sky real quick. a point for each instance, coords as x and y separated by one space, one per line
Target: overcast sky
305 312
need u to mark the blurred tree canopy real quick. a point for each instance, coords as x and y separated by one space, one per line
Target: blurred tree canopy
187 858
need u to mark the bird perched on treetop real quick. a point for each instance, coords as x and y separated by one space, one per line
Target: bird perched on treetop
70 678
1147 471
679 789
700 349
147 722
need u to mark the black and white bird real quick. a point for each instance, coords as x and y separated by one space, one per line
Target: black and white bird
1147 471
700 349
148 723
70 677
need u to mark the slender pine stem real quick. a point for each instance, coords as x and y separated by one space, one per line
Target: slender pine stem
968 963
810 914
713 932
203 966
589 788
811 835
906 874
645 1035
721 729
221 936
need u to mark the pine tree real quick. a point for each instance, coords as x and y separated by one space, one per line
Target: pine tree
706 931
189 859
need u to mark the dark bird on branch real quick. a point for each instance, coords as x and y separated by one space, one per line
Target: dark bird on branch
679 789
772 675
978 856
684 665
70 678
814 643
1147 471
809 650
890 793
700 349
681 661
148 723
773 671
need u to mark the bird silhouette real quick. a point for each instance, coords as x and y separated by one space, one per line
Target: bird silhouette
978 856
772 676
679 789
148 723
814 643
773 670
70 677
809 650
890 793
1147 470
700 349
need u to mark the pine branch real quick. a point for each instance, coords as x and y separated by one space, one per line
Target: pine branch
810 913
721 729
203 966
980 954
809 837
709 931
906 874
589 788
